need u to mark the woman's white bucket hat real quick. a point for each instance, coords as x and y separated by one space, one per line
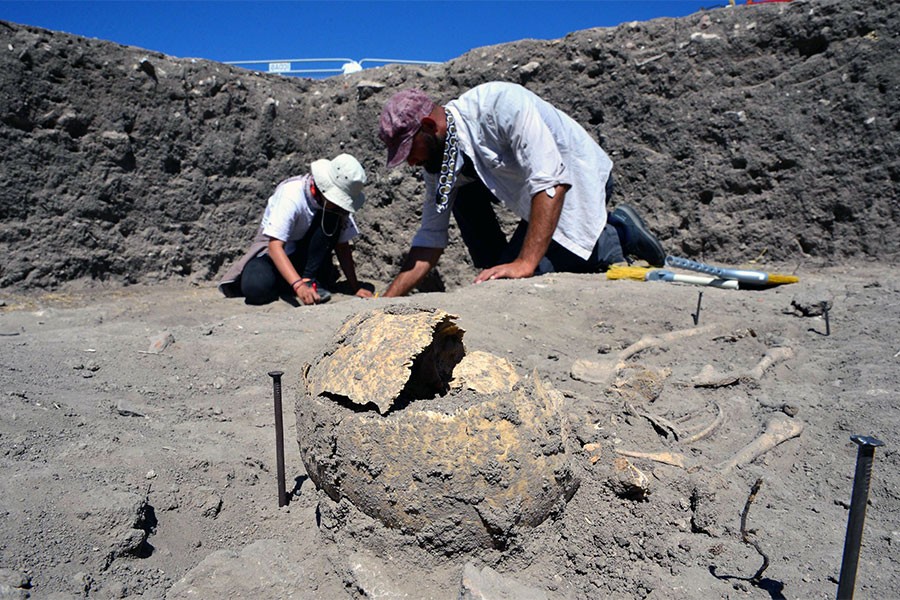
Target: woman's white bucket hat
341 181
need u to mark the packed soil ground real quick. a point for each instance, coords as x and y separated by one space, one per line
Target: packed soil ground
138 465
137 440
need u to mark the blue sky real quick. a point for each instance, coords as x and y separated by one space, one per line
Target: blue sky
423 30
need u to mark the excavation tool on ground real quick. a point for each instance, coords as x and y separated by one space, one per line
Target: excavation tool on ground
650 274
758 278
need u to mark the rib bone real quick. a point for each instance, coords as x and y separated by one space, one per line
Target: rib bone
720 418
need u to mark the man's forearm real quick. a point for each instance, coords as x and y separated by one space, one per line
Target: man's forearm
417 265
545 212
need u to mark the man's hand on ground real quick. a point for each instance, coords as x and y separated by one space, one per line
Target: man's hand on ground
517 269
364 293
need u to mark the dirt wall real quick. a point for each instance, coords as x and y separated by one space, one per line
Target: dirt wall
755 130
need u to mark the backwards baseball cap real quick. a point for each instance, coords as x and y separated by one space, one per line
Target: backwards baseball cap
340 180
400 120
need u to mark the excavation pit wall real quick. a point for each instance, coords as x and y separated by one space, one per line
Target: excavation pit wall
447 446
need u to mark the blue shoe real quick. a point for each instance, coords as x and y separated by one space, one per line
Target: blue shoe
637 241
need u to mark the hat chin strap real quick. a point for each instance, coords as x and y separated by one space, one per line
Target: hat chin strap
322 224
313 188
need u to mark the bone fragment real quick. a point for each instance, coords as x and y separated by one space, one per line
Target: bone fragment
668 458
593 372
778 430
640 383
684 418
594 450
773 356
709 377
720 418
661 424
604 371
733 336
628 481
658 341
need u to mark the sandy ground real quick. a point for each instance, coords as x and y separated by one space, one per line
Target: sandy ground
130 471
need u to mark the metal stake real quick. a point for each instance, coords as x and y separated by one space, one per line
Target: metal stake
827 322
279 436
864 459
696 315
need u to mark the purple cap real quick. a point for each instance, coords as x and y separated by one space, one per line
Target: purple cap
400 120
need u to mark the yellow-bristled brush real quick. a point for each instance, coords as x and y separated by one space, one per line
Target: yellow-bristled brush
626 272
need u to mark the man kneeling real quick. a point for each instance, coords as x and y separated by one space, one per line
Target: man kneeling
499 142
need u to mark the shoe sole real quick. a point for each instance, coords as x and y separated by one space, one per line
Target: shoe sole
645 234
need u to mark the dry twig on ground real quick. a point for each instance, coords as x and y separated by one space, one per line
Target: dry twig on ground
745 535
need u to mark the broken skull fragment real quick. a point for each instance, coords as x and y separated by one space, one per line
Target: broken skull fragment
460 452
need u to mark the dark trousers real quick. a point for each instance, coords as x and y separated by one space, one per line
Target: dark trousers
488 246
261 282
